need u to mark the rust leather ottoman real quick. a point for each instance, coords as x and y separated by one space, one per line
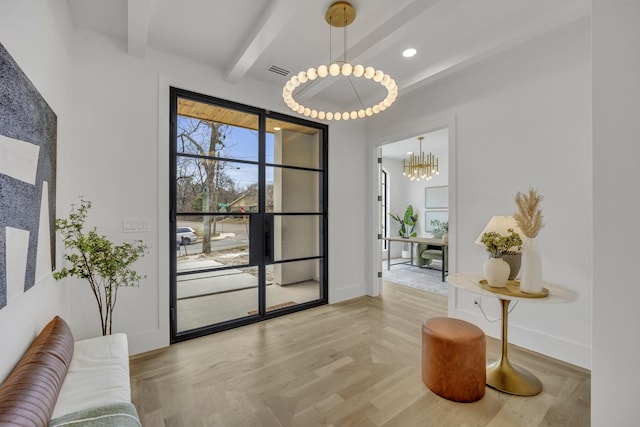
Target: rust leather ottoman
454 359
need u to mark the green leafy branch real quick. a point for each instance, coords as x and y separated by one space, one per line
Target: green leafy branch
93 257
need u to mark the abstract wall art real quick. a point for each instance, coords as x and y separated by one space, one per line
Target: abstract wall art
28 128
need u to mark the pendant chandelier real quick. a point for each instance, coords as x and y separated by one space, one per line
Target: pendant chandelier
419 166
340 14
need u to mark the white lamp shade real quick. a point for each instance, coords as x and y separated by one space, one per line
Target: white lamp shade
500 224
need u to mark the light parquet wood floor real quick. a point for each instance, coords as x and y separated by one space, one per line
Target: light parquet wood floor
355 363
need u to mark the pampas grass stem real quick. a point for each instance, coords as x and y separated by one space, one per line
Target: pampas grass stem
529 215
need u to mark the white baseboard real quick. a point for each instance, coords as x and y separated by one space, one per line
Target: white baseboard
558 348
346 293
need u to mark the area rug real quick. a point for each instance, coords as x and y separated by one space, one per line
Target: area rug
425 279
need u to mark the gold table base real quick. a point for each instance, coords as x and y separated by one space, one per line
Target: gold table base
504 376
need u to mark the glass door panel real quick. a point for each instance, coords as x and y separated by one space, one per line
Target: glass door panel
293 190
217 177
292 283
205 298
248 219
296 236
293 144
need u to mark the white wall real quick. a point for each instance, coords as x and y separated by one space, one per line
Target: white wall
120 108
616 150
35 34
522 119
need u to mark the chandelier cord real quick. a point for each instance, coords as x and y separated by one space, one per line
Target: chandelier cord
330 25
345 60
344 53
356 92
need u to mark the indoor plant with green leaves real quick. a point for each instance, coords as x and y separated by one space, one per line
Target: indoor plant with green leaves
105 266
407 222
407 226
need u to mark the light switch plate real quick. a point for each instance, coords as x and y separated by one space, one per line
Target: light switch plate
135 225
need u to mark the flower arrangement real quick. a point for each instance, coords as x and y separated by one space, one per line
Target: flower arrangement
439 228
499 245
529 215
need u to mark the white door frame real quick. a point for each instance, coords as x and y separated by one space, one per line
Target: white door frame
375 149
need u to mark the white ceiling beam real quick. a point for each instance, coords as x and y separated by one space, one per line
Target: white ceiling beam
138 16
270 24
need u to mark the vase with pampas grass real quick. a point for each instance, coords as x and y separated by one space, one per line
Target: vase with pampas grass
529 220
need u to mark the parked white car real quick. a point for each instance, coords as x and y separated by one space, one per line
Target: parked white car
185 235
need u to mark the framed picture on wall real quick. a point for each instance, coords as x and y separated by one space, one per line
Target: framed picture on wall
436 197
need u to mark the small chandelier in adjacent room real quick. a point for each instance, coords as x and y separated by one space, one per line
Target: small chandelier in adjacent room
420 166
340 14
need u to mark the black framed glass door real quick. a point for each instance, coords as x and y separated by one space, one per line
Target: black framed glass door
248 214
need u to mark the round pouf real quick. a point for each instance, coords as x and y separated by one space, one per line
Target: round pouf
454 359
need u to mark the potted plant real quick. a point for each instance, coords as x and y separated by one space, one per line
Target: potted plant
407 226
496 270
440 228
107 267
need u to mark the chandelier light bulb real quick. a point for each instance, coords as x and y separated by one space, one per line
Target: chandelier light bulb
358 70
353 115
302 77
312 74
347 69
377 76
334 69
323 71
369 72
329 115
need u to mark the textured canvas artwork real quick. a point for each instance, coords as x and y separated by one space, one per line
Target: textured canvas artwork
28 128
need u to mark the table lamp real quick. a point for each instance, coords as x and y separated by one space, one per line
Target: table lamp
501 224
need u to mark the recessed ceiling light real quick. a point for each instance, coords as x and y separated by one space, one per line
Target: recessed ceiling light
276 128
408 53
409 153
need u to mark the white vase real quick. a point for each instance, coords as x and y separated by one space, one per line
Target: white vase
496 270
531 268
